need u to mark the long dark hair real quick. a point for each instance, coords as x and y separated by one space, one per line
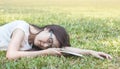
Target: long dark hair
59 31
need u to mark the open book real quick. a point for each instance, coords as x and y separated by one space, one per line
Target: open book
67 52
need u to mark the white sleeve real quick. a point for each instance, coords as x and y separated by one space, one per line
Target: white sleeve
21 25
25 27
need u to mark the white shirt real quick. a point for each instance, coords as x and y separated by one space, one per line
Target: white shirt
6 33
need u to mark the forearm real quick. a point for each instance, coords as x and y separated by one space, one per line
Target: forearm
80 51
32 53
19 54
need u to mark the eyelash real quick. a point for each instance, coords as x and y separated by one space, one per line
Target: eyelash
50 40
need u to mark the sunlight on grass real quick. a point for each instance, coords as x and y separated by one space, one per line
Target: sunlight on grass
91 24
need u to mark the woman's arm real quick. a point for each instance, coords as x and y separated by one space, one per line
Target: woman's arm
100 55
14 52
19 54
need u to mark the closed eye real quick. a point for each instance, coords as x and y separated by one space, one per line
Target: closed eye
50 40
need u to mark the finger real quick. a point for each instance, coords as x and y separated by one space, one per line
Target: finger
99 57
109 57
58 53
104 55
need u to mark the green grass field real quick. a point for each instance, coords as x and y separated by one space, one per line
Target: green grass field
91 24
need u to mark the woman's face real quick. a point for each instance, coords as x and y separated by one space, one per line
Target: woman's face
46 39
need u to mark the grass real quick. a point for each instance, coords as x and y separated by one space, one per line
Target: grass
90 24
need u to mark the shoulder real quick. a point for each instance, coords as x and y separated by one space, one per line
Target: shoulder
23 25
19 22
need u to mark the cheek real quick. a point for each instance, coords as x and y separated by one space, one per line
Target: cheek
56 43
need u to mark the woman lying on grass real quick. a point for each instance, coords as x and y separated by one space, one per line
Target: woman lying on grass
21 39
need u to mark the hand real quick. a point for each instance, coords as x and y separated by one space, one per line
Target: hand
101 55
53 51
